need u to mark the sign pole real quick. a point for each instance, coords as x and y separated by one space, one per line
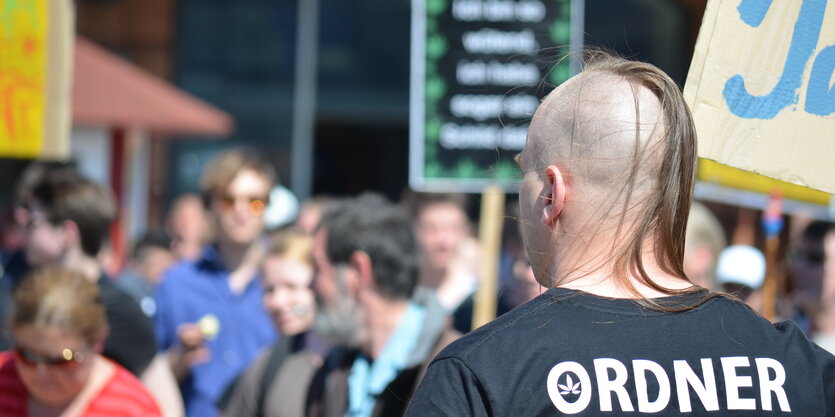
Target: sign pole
304 99
490 237
773 225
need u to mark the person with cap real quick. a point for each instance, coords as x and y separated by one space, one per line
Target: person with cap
741 271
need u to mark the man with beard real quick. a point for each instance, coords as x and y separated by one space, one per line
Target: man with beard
366 272
608 172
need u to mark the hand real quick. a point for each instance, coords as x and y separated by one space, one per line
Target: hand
190 351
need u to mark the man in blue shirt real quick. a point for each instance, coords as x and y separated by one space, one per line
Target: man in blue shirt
209 313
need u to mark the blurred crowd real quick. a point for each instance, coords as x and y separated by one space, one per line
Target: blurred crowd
225 311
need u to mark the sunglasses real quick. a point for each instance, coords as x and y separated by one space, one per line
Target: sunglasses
34 219
256 205
68 358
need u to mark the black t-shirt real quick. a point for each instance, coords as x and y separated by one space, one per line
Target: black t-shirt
570 352
131 342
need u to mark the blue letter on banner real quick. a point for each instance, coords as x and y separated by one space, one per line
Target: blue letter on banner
804 39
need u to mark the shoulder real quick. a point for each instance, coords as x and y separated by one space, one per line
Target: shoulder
12 391
509 329
7 366
124 395
336 364
243 393
182 271
120 307
186 280
734 317
255 371
112 295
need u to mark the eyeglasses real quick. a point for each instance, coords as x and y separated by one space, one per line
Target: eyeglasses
68 358
34 218
256 205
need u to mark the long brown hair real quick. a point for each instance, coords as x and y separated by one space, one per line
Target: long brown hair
665 213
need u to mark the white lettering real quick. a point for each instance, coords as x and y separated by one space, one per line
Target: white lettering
466 10
498 10
559 387
530 11
641 367
767 386
513 73
569 385
605 386
496 73
482 106
513 137
471 73
705 391
482 136
479 107
734 382
492 41
520 105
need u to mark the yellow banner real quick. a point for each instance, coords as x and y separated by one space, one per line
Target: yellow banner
761 89
36 38
716 173
23 63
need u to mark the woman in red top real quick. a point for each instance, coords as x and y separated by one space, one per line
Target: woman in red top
55 368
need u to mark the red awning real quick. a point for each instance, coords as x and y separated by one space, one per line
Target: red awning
108 91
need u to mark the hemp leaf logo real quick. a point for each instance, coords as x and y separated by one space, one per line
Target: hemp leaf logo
570 387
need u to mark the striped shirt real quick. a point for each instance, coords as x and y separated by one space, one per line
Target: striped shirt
122 396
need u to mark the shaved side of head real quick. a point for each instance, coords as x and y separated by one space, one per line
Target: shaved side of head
600 126
625 140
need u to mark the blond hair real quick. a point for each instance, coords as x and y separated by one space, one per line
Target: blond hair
58 297
292 245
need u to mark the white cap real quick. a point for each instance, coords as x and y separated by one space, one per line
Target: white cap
282 209
741 264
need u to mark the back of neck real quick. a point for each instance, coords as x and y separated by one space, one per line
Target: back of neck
593 269
80 262
382 318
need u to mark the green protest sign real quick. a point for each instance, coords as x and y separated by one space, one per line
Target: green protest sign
479 70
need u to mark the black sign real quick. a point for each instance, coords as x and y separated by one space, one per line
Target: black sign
479 71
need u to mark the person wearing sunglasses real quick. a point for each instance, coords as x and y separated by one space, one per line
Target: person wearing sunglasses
210 319
56 367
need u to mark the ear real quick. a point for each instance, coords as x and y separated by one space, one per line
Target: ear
71 233
362 263
554 195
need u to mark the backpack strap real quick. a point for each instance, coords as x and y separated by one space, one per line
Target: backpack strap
278 353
